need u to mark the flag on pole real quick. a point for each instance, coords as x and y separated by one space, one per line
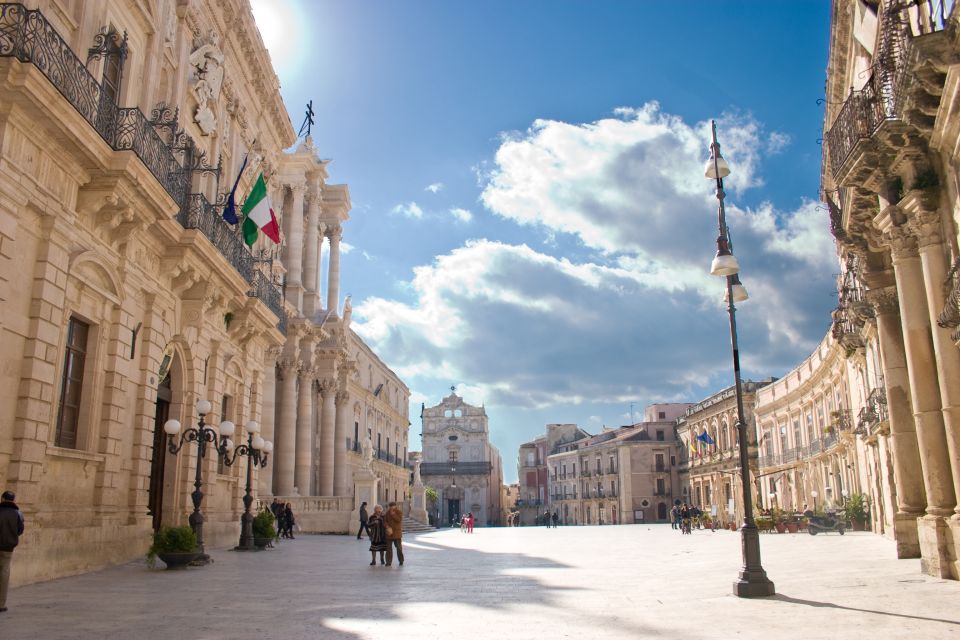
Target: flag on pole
705 438
258 214
230 211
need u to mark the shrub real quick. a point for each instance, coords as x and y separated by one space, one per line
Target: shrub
856 508
172 540
263 525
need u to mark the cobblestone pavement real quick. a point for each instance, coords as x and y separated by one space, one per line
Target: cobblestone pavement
578 582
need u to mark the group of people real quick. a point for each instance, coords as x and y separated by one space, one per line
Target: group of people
683 515
466 523
546 519
283 514
385 530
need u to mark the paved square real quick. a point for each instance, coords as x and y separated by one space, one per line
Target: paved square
577 582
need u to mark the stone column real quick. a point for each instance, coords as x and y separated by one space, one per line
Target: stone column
293 256
304 456
311 258
327 418
320 236
333 277
934 262
911 497
268 407
285 446
341 474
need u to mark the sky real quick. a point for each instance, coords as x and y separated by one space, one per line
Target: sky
530 218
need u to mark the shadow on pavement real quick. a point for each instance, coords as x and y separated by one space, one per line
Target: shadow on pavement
830 605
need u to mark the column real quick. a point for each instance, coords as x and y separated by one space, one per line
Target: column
304 455
322 232
268 407
327 417
934 263
924 382
910 494
285 446
293 257
342 478
333 277
311 257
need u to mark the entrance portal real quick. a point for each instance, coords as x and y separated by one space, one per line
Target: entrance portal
453 511
159 451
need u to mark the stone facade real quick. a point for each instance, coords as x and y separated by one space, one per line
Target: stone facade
122 127
459 462
889 178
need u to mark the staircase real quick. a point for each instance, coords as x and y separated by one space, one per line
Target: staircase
412 526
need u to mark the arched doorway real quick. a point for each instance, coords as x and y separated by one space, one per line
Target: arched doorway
453 499
662 511
157 464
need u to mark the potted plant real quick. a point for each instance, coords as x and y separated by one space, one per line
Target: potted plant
764 523
176 546
778 520
792 524
264 531
855 511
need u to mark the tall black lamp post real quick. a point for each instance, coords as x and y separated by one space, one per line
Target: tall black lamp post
204 436
256 450
752 581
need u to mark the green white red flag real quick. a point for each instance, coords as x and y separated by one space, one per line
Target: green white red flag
258 214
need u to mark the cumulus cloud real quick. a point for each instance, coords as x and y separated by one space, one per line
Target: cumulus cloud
463 215
777 142
434 187
636 316
410 210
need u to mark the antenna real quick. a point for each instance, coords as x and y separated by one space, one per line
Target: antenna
632 421
307 121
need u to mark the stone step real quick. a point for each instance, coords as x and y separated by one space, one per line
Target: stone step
412 526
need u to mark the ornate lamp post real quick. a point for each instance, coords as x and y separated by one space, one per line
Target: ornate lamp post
204 436
256 450
814 494
752 581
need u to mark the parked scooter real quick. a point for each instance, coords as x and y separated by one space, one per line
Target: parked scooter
821 524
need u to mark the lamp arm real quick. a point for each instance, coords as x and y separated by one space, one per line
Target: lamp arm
188 435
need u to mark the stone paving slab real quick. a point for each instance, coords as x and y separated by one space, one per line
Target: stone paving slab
643 581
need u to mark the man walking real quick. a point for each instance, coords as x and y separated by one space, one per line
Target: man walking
556 519
11 528
394 521
363 521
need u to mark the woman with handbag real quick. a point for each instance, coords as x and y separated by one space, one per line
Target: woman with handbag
377 530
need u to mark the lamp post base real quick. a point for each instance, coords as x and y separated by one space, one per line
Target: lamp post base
752 581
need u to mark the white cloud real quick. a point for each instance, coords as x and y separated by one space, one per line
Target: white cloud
637 316
346 247
463 215
410 210
777 142
434 188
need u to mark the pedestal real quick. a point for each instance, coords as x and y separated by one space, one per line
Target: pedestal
418 503
365 484
934 541
906 534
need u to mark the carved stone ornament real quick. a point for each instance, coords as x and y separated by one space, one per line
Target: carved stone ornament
903 245
206 80
927 228
884 300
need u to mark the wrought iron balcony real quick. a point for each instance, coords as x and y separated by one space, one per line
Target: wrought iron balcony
950 316
874 413
455 468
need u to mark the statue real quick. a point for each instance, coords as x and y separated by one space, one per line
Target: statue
366 452
416 474
347 311
206 76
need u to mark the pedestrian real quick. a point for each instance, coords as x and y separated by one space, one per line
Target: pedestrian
363 521
289 520
393 519
556 519
675 517
470 522
11 528
377 531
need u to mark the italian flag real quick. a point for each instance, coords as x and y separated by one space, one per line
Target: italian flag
258 215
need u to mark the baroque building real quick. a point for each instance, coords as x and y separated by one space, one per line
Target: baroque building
122 128
456 448
890 180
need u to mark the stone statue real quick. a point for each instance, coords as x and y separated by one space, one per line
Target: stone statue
366 452
206 76
416 474
347 311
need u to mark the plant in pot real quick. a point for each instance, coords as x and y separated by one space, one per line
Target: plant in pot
779 524
764 523
856 511
176 546
264 531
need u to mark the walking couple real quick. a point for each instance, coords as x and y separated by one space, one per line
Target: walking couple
385 531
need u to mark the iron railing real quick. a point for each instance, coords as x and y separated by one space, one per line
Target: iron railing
882 97
263 288
873 413
200 214
25 34
457 468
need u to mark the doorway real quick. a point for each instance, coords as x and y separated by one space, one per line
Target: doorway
453 511
164 395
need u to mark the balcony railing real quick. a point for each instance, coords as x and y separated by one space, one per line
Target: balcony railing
950 316
882 97
874 413
25 34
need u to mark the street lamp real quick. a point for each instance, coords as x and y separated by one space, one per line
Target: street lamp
256 450
203 436
814 494
752 581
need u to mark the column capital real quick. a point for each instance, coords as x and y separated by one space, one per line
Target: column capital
328 388
926 227
342 398
334 232
307 372
271 354
903 244
289 365
884 300
298 189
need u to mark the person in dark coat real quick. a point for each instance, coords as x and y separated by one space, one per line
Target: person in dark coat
363 521
11 528
377 531
393 519
289 520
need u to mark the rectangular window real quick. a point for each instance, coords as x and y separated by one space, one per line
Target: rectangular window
659 462
661 487
452 457
379 447
71 384
225 408
662 415
356 436
660 435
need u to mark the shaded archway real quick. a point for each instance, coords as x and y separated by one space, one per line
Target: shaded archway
163 472
662 511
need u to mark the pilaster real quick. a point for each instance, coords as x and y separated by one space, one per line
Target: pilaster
328 390
341 480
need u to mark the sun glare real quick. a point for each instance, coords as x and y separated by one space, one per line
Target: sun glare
280 29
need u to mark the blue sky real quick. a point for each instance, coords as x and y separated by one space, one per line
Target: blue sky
530 218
